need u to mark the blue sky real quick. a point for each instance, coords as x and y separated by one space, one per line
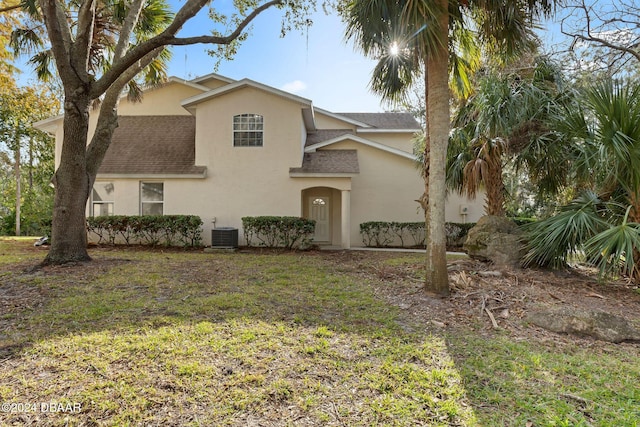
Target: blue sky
318 65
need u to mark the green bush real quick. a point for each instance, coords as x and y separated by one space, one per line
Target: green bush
278 231
407 234
169 230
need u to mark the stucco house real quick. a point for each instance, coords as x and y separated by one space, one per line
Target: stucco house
224 149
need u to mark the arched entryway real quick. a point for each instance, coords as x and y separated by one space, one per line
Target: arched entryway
326 206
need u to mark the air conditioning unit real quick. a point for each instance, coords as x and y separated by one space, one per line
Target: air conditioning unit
464 210
224 237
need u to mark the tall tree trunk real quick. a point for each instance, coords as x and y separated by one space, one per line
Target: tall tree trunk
18 179
30 164
71 181
634 216
495 189
437 280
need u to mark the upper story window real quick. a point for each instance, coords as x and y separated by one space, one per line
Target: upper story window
102 199
151 198
247 130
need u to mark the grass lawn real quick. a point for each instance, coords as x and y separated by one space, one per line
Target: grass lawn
159 338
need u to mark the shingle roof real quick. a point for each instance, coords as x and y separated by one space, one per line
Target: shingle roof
144 145
329 161
322 135
385 120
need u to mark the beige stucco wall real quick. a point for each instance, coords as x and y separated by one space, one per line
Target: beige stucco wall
252 181
385 189
324 121
162 101
402 141
212 82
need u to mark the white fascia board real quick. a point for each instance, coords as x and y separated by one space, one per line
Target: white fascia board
368 142
343 118
192 84
309 119
151 176
321 175
380 130
213 76
189 103
49 125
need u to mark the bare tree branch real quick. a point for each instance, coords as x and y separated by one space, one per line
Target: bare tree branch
60 37
612 26
108 117
167 37
84 37
10 8
127 28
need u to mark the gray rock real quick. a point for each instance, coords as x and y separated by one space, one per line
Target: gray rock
496 239
590 323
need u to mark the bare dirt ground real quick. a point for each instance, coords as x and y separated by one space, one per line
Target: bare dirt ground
489 298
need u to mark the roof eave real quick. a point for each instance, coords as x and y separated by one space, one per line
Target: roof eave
152 176
321 175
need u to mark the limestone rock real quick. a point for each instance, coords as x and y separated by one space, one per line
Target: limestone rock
496 239
596 324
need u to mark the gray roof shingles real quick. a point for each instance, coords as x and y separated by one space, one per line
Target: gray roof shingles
385 120
322 135
149 145
329 161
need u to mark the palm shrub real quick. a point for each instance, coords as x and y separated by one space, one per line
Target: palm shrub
603 222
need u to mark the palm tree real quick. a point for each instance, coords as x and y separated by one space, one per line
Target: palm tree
506 123
435 34
604 221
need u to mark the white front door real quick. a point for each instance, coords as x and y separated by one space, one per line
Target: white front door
319 211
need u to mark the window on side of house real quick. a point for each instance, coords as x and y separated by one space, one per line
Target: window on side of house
102 199
151 198
248 130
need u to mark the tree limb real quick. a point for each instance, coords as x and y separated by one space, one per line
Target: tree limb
167 37
127 28
108 117
60 38
10 8
84 38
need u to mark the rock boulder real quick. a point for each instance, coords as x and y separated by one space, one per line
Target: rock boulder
590 323
496 239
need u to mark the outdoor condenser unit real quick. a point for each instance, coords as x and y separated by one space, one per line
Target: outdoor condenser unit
224 237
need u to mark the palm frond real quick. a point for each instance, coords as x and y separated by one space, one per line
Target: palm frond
551 241
613 250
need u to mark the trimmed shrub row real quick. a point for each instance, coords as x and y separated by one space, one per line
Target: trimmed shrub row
408 234
167 230
278 231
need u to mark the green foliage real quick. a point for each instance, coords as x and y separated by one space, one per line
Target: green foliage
32 151
602 222
168 230
278 231
384 234
553 240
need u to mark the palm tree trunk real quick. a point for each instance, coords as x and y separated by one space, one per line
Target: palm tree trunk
437 280
495 189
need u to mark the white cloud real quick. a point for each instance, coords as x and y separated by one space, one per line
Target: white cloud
294 86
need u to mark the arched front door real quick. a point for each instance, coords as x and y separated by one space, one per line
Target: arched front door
320 212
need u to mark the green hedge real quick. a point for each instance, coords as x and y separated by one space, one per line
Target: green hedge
407 234
168 230
278 231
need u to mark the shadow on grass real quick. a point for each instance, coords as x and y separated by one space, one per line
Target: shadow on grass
240 339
